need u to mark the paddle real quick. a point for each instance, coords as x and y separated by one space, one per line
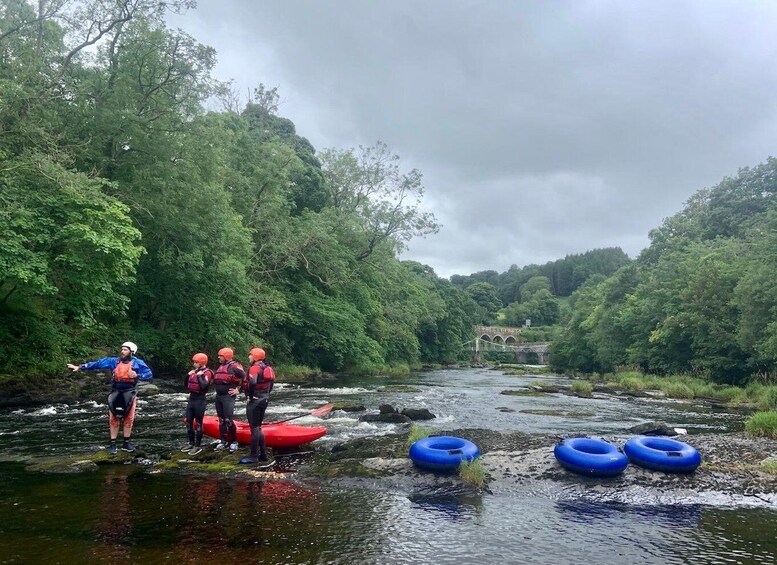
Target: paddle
320 411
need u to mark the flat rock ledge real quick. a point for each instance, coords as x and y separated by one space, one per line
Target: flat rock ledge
732 471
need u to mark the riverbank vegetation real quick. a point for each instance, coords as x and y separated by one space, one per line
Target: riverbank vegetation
130 211
141 198
763 424
684 387
700 300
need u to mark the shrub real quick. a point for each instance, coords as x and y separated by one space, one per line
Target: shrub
633 384
762 424
291 371
770 398
582 388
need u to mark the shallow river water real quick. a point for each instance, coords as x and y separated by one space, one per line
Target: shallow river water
123 513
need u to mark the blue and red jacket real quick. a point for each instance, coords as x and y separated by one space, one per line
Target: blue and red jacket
138 365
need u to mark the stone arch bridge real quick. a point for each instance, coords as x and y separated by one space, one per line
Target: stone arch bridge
495 338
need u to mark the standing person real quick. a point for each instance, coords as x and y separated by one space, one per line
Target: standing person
126 370
257 386
197 382
227 379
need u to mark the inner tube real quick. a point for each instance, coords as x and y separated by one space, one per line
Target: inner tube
590 456
442 453
662 454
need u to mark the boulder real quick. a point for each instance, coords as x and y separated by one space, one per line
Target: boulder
350 407
386 417
418 414
653 429
147 389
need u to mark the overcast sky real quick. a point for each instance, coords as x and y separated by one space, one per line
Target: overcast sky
542 128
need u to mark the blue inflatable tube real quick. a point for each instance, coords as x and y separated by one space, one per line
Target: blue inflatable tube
591 457
662 454
442 453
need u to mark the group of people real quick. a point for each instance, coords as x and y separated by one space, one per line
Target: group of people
229 380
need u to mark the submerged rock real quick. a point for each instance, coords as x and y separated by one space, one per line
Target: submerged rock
386 417
83 462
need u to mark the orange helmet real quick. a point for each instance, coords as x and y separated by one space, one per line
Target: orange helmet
256 354
226 353
200 358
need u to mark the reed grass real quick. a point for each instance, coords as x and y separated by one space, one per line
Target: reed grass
416 433
762 424
473 472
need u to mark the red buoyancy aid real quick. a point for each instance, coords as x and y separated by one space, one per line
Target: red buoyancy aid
224 377
121 373
264 376
193 382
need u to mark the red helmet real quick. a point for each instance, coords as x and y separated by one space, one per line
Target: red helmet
256 354
226 353
200 358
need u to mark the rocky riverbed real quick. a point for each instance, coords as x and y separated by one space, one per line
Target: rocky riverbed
736 469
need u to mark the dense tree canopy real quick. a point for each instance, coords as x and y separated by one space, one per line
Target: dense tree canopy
129 211
702 298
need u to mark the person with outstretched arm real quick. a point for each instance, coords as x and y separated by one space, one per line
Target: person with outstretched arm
126 371
197 382
257 386
227 379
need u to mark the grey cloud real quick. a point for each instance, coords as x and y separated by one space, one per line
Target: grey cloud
552 128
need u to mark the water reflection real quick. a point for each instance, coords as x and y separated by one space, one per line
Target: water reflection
589 513
451 506
113 523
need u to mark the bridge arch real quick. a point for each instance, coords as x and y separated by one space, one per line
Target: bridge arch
496 338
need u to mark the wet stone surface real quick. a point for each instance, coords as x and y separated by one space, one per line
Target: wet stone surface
731 471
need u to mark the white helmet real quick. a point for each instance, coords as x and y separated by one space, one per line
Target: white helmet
131 346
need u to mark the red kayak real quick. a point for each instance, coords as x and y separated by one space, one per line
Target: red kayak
275 435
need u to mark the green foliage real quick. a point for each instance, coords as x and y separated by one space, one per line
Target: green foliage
582 388
762 424
700 300
561 277
473 472
769 465
677 390
417 433
484 295
126 210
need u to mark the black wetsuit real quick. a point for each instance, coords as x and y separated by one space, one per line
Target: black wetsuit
228 376
195 408
258 392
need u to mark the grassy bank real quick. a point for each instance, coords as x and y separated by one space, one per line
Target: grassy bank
760 396
763 424
763 397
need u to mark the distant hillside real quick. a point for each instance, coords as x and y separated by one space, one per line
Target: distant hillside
565 275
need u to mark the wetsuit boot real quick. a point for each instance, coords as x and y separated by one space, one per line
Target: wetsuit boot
188 447
252 458
264 460
197 447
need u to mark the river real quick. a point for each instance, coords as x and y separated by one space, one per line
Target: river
127 513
